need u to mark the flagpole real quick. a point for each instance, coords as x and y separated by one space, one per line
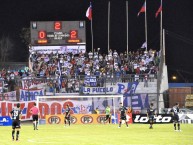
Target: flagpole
163 51
146 24
161 30
92 37
127 27
109 25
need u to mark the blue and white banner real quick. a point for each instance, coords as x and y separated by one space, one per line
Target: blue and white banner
136 101
90 81
5 121
140 100
82 107
30 95
119 88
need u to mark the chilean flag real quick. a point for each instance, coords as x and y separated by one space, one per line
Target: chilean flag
89 12
143 9
158 11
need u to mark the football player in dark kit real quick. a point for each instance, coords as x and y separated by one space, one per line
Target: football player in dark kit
175 111
123 111
150 115
15 115
67 115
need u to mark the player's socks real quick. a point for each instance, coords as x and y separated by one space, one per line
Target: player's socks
17 135
178 126
174 126
119 124
13 133
150 127
69 122
126 124
34 125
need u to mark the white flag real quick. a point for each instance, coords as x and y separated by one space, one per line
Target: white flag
144 45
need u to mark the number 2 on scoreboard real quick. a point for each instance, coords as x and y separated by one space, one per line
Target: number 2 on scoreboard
73 34
57 25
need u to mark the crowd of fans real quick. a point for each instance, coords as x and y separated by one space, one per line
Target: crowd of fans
69 70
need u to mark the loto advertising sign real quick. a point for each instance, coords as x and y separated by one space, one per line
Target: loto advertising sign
159 118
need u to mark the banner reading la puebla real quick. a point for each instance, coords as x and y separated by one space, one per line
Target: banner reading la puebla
119 88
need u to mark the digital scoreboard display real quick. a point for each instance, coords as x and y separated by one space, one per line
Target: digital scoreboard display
58 32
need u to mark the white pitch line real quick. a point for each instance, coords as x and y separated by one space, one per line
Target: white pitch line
42 142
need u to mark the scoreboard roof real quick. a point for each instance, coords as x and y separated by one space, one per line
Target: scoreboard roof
58 32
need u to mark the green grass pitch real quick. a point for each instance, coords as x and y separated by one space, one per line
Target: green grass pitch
136 134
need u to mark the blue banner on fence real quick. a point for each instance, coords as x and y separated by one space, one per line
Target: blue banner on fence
5 121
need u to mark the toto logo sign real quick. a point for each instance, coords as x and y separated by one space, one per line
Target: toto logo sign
86 119
73 119
54 120
160 118
101 118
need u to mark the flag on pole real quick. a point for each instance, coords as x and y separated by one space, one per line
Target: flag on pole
89 12
144 45
143 9
158 11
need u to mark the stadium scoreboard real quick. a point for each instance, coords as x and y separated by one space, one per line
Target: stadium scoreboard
58 32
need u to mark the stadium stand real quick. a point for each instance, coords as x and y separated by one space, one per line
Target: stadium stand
65 72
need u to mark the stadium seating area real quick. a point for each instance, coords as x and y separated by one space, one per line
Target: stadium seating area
69 70
67 65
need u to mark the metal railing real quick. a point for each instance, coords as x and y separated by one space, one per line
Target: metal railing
72 84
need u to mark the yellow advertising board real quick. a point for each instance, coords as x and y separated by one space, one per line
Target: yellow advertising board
76 119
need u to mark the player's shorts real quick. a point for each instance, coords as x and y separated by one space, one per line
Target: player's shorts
67 117
35 117
16 124
108 117
151 118
123 117
176 118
